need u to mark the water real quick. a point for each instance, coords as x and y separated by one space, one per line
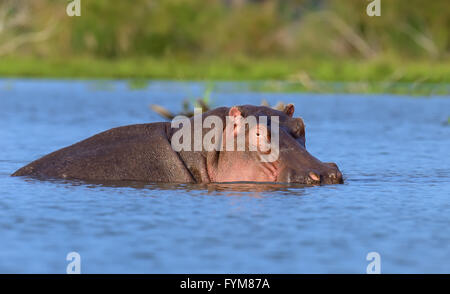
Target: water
393 151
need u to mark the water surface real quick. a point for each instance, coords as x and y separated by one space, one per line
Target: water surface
393 151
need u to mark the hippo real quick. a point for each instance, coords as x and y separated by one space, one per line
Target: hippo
145 153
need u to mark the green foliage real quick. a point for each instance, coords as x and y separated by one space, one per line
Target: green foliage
329 40
213 28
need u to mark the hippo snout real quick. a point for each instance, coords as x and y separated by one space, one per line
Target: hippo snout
328 174
332 175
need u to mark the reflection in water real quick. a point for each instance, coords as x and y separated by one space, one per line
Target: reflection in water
229 189
254 189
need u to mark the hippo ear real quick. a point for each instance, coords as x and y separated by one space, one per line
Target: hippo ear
289 109
235 111
237 119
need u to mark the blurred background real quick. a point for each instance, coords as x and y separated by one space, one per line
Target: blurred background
296 40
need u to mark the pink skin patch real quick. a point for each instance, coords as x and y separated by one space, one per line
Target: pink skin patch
248 170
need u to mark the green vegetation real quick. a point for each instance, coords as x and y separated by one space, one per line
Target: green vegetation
308 45
243 69
279 75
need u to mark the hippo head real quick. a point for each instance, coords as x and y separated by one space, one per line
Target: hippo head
292 162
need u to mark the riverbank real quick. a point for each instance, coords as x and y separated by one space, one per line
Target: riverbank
377 76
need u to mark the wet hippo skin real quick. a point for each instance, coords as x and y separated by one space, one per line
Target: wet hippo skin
144 153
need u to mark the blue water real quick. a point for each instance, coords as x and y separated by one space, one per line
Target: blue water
393 152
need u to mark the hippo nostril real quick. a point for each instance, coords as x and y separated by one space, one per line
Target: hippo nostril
337 177
314 176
